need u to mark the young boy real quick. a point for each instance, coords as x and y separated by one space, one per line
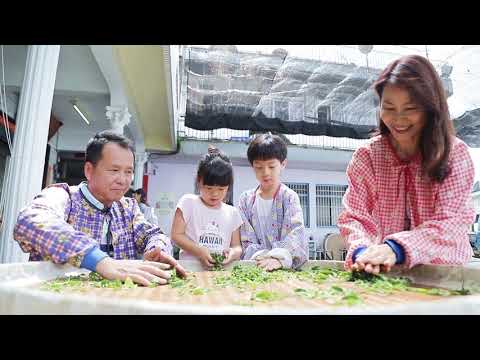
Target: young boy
273 232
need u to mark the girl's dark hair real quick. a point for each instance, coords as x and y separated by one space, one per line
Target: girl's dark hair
143 196
215 169
266 147
417 75
129 193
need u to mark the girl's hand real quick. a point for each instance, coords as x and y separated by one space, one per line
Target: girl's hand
205 258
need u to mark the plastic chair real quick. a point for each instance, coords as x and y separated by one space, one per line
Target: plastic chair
335 244
312 248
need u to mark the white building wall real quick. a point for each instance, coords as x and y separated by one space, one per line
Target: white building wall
178 179
475 201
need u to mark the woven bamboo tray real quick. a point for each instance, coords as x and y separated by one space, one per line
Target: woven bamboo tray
20 293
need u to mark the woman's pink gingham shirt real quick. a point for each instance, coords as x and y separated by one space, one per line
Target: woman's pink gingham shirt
380 185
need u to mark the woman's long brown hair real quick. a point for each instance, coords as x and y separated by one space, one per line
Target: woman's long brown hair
418 76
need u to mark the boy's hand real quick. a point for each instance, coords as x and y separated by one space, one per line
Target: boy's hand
158 255
203 254
269 264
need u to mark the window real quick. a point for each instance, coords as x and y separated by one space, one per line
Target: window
324 114
302 191
329 203
207 85
197 66
295 111
280 109
266 106
69 167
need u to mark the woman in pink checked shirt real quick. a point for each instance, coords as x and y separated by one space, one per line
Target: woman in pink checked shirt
409 186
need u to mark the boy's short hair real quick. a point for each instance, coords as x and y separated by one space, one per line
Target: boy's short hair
266 147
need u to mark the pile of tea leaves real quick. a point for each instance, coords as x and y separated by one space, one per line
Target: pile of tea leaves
82 282
218 259
186 285
386 285
335 293
242 277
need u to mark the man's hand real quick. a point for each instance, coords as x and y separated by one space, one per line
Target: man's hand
375 258
158 255
141 272
203 254
269 264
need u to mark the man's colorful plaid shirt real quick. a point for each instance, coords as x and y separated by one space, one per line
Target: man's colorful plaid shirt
61 225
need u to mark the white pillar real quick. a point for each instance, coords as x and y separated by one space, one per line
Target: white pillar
119 117
30 143
140 160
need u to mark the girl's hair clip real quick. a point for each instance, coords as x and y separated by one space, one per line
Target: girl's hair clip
212 150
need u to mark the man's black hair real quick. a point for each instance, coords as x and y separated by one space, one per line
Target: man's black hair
95 145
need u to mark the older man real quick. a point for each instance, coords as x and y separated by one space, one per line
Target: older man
93 225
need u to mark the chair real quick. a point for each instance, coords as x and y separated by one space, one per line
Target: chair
311 249
334 244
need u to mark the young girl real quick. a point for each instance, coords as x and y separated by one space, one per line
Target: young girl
407 200
203 224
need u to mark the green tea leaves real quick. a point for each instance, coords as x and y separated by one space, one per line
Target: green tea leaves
218 258
266 295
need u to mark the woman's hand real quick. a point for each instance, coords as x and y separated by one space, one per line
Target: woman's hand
375 258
